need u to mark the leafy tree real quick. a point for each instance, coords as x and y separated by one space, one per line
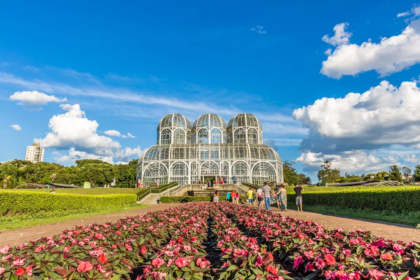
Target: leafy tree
406 171
304 180
417 173
327 174
289 172
395 173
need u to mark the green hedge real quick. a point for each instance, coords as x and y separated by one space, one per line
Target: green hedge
34 202
393 199
179 199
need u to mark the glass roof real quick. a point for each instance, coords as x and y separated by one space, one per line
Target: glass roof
207 120
174 120
244 119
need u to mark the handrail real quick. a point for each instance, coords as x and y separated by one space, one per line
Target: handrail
156 190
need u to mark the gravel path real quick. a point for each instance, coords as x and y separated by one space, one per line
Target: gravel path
388 231
18 236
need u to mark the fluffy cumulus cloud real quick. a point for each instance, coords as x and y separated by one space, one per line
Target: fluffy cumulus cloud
344 129
390 55
113 133
73 130
341 36
16 127
127 153
34 99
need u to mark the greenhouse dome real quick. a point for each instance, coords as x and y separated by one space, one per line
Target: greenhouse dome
234 153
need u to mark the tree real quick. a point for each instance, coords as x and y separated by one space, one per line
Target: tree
406 171
289 172
417 173
395 174
328 174
304 180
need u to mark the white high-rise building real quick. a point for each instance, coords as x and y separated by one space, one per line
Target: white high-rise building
35 153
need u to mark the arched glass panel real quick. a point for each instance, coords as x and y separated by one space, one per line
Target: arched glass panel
240 171
166 137
179 173
216 136
195 175
209 168
179 136
224 169
179 152
203 136
240 136
263 172
252 136
155 173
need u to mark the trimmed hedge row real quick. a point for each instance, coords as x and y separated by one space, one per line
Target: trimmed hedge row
33 202
393 199
180 199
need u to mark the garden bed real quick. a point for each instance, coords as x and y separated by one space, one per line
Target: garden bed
211 240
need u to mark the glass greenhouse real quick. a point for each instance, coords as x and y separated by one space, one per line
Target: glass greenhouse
208 150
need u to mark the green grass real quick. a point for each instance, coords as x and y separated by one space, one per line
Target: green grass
406 218
92 191
23 221
321 189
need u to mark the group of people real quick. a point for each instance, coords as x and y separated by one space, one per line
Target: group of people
267 196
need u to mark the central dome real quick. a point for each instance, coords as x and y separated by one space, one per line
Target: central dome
209 120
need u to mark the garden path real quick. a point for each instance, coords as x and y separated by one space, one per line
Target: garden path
386 230
18 236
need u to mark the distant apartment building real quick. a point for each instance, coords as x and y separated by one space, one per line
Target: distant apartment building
35 153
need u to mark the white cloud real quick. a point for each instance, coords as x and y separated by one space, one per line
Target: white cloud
341 36
73 130
390 55
121 163
129 135
113 133
258 29
16 127
34 99
382 116
403 14
74 155
328 51
127 153
415 11
355 162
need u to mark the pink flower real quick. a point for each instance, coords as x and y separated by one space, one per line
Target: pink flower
320 264
259 261
128 247
84 267
2 270
7 257
226 264
386 257
37 250
376 274
297 262
187 248
182 262
170 261
398 248
143 250
66 249
28 270
158 262
118 232
202 263
19 262
4 250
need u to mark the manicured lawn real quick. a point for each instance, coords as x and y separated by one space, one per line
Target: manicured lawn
23 221
318 189
408 218
93 191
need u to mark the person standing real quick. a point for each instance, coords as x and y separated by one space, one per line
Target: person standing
298 190
277 195
250 196
216 196
281 194
267 196
259 197
228 196
233 197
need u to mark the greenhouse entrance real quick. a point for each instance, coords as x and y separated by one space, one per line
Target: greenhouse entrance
211 179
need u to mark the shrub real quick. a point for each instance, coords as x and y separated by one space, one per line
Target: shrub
29 202
393 199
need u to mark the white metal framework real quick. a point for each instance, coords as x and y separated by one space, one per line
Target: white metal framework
209 148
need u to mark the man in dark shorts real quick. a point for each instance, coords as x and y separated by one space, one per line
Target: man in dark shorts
298 190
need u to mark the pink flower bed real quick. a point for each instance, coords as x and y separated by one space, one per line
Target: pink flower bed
244 243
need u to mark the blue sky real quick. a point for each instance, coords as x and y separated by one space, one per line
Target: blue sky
128 63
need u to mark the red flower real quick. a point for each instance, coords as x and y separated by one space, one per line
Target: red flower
179 240
330 260
20 271
118 232
84 267
386 257
194 238
102 259
301 236
376 274
309 267
66 249
143 250
271 269
128 247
